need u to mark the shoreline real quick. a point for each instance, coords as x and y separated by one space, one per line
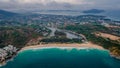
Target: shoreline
5 62
116 57
64 45
88 45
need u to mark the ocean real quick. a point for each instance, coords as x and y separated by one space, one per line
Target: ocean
111 14
63 58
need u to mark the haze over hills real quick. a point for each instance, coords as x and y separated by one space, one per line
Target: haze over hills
7 13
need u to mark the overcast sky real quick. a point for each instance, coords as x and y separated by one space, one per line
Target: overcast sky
59 4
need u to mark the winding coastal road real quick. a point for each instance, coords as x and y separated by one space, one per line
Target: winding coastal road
70 34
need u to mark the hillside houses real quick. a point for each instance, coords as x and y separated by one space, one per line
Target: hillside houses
7 52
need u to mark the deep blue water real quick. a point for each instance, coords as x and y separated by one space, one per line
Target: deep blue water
63 58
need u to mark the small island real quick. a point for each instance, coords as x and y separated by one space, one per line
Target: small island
94 11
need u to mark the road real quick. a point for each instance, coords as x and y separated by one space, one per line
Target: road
70 34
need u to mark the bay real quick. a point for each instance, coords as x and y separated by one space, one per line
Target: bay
63 58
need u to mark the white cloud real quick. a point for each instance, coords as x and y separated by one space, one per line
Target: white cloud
47 1
59 4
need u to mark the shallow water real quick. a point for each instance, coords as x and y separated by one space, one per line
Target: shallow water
63 58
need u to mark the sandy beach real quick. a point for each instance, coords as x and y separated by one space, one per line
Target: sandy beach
72 45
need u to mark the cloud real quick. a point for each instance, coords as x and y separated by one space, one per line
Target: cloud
46 1
58 4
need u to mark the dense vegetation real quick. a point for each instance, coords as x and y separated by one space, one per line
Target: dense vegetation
60 40
20 34
60 34
16 36
89 29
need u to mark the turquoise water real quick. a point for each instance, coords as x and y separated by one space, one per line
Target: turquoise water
63 58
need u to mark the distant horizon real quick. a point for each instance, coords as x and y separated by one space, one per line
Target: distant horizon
112 14
37 5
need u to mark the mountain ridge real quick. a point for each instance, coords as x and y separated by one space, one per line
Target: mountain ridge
7 13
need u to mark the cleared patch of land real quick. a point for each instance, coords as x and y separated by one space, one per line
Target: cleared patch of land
111 26
105 35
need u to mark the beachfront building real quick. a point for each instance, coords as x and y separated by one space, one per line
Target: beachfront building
7 51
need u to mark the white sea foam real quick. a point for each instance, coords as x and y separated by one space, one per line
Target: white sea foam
63 48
